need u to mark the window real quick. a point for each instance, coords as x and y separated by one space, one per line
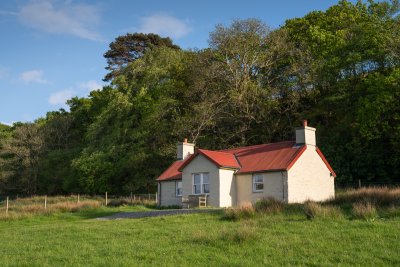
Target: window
178 186
258 183
201 183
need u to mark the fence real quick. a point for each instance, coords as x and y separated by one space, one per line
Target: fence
7 202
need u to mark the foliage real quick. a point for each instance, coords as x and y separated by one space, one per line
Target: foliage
338 68
127 48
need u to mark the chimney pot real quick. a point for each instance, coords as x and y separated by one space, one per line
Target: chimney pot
305 123
185 140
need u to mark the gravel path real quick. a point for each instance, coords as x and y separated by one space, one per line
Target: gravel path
156 213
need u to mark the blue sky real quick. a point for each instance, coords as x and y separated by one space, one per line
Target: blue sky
52 50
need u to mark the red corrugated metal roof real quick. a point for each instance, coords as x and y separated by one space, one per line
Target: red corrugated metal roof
266 157
172 172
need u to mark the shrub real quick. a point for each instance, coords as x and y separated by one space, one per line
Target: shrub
314 210
245 211
362 210
269 205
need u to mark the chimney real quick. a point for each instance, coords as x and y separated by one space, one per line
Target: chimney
184 149
305 134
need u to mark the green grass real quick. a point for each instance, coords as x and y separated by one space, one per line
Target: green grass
78 239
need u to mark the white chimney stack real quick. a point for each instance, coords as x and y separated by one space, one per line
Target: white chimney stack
184 149
305 134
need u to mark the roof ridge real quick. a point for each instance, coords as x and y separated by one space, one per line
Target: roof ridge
254 146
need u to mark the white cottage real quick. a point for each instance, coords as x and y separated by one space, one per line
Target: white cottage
290 171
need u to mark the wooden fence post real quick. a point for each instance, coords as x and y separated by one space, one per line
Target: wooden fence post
134 198
131 200
106 199
7 205
45 202
78 198
156 198
359 183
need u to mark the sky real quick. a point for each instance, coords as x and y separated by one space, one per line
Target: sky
52 50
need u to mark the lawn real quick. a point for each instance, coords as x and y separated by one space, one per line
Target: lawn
78 239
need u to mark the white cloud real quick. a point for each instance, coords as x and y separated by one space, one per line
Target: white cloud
60 97
90 85
65 18
33 76
164 25
3 73
79 89
7 123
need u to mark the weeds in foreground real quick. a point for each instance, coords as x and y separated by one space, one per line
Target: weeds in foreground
246 231
314 210
245 211
269 205
365 211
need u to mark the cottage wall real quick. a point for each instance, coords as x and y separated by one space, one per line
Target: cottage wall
167 194
274 186
197 165
310 179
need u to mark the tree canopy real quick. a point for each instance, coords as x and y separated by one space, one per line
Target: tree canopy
338 68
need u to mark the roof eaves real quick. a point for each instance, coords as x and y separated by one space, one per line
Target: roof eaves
325 161
296 156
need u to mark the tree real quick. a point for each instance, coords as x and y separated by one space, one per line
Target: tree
21 154
127 48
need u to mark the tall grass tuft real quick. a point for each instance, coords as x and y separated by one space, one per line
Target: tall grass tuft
314 210
245 211
378 196
269 205
365 211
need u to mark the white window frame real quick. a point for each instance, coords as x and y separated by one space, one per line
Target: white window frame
177 188
255 183
201 184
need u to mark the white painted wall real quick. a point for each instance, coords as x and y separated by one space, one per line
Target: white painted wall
310 179
167 194
274 186
197 165
227 188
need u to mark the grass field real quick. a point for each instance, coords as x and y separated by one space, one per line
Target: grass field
277 238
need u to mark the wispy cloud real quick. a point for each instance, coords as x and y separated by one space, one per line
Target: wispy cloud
60 97
3 72
33 76
80 89
7 123
90 85
62 17
164 25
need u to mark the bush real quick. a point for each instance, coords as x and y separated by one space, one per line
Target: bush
314 210
362 210
269 205
245 211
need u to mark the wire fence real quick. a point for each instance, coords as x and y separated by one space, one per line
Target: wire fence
111 200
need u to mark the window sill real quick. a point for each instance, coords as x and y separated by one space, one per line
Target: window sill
261 191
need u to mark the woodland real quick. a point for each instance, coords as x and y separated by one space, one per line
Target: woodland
339 69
